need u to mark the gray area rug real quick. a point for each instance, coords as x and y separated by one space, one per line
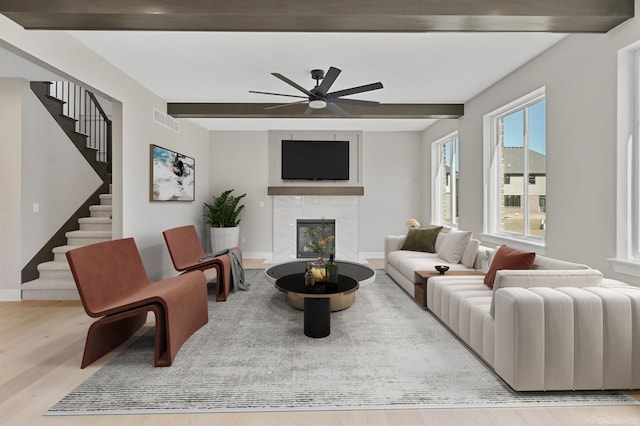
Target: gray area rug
383 352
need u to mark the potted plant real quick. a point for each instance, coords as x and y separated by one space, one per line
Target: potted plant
223 215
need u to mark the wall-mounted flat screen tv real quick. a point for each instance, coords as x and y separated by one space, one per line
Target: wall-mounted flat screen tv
315 160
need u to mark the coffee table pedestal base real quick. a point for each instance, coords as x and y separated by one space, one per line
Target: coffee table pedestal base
317 317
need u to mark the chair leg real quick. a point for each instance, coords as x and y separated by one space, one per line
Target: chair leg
110 332
223 282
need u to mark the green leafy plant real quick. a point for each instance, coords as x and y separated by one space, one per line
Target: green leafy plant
225 210
320 239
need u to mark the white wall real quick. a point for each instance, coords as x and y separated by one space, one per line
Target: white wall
393 190
10 190
134 130
580 76
240 161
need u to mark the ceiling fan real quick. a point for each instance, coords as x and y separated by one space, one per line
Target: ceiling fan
319 97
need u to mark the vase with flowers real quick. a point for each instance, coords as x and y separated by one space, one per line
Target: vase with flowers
321 242
413 223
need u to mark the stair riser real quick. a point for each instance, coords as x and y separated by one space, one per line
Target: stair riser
95 227
59 257
105 201
50 295
79 241
100 213
57 274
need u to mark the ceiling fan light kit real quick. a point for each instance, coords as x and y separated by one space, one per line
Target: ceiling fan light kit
317 104
320 98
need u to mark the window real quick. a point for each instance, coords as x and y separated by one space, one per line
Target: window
515 169
444 180
512 201
627 259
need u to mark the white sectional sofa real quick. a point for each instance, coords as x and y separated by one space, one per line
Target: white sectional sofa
558 326
401 265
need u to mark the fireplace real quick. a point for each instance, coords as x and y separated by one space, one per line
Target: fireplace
303 240
288 209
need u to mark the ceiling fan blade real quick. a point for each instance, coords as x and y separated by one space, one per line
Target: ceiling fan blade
291 83
354 90
284 105
328 81
336 109
277 94
355 102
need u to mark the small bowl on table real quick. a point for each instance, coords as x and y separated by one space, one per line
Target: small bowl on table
442 269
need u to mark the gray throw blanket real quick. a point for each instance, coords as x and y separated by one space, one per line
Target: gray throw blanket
237 271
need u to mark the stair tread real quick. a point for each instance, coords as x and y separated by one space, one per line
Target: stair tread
94 220
100 207
63 249
79 233
54 266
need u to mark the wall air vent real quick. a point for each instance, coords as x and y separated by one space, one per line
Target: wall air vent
166 120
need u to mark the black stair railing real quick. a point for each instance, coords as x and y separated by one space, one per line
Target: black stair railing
83 106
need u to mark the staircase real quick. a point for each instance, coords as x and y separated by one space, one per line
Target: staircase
83 120
56 281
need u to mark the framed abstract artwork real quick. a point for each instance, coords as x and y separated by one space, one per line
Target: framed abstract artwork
172 175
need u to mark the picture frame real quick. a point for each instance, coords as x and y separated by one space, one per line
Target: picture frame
172 175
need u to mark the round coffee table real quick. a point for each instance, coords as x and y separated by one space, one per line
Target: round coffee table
357 271
316 300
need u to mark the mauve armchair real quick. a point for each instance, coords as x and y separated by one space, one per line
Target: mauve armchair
187 255
114 287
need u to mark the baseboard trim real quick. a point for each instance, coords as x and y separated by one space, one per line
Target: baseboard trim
372 255
10 295
257 254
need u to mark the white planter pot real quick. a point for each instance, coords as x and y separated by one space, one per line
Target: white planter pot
224 238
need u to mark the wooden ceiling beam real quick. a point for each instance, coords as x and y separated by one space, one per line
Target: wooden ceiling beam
258 110
565 16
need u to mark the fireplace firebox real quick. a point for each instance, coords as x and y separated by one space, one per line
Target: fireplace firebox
303 241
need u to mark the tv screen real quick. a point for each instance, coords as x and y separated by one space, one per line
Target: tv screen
315 160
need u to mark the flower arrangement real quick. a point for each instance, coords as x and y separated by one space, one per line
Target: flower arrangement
320 240
412 223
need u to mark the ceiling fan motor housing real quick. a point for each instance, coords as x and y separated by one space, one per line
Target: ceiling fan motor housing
317 75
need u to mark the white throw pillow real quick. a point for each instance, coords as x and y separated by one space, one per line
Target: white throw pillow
453 246
470 252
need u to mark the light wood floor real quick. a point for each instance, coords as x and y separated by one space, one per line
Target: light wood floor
41 347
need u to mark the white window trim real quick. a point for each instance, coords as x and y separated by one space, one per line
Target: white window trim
436 182
628 162
491 232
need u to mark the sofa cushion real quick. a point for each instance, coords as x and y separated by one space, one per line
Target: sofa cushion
545 278
440 240
470 252
508 258
543 262
453 246
422 239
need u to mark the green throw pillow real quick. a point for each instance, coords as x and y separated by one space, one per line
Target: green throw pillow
422 239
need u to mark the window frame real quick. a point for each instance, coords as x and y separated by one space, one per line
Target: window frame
438 176
491 187
627 260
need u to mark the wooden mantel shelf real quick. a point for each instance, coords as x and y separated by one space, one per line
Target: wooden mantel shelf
315 190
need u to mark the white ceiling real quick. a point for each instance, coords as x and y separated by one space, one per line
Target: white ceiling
223 67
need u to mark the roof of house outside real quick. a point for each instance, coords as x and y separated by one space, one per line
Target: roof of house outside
514 161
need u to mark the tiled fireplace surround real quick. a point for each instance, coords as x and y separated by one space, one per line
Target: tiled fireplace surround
287 209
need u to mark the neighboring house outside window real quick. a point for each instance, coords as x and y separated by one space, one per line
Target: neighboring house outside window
516 170
445 170
627 260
